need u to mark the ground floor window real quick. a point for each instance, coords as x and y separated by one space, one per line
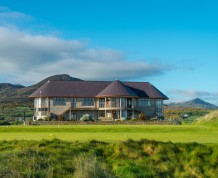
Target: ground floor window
73 116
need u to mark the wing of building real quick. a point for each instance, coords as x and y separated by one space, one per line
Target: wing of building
99 99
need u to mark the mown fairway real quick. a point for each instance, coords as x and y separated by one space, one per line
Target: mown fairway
113 133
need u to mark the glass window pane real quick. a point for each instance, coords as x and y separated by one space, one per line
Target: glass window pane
88 102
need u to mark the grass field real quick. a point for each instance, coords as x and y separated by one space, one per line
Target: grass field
126 151
113 133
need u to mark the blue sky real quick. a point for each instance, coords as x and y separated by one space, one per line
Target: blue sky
172 44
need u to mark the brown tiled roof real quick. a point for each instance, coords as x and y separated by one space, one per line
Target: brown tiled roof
96 88
116 89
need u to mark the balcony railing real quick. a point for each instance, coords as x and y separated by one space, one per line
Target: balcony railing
115 105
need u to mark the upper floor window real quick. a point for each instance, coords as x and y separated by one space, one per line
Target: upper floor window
144 102
59 101
159 103
36 103
40 102
159 107
88 102
101 102
72 101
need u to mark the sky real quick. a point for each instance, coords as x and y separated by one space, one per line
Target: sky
171 44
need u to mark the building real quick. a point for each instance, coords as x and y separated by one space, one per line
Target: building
100 99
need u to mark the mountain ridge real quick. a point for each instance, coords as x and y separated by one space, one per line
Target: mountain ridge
195 103
18 94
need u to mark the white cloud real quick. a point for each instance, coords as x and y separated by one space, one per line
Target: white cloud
28 58
8 16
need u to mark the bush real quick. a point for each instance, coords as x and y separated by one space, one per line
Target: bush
142 116
47 118
61 118
5 123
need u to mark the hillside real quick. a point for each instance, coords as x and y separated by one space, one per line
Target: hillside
195 103
5 86
209 119
18 94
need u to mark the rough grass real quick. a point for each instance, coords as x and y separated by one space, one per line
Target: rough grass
113 133
209 119
129 159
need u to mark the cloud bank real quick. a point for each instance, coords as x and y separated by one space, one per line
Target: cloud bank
185 95
26 58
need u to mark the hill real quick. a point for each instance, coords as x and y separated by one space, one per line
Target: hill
195 103
18 94
5 86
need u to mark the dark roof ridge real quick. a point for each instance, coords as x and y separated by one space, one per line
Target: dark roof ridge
94 81
59 88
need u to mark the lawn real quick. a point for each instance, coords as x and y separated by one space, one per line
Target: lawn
113 133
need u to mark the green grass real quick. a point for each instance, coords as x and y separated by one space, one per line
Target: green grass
113 133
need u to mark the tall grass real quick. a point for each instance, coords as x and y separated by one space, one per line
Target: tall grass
209 119
144 158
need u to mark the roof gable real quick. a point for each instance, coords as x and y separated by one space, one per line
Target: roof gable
116 89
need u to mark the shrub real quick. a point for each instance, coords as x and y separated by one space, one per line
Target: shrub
5 123
47 118
142 116
61 118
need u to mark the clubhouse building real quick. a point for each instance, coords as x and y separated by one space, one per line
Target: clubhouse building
104 100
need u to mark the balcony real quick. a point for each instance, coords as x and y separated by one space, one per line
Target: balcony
115 105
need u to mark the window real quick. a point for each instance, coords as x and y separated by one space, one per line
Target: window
43 109
159 103
73 116
36 103
72 101
123 102
113 102
88 102
42 102
59 101
144 102
159 107
92 116
101 103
